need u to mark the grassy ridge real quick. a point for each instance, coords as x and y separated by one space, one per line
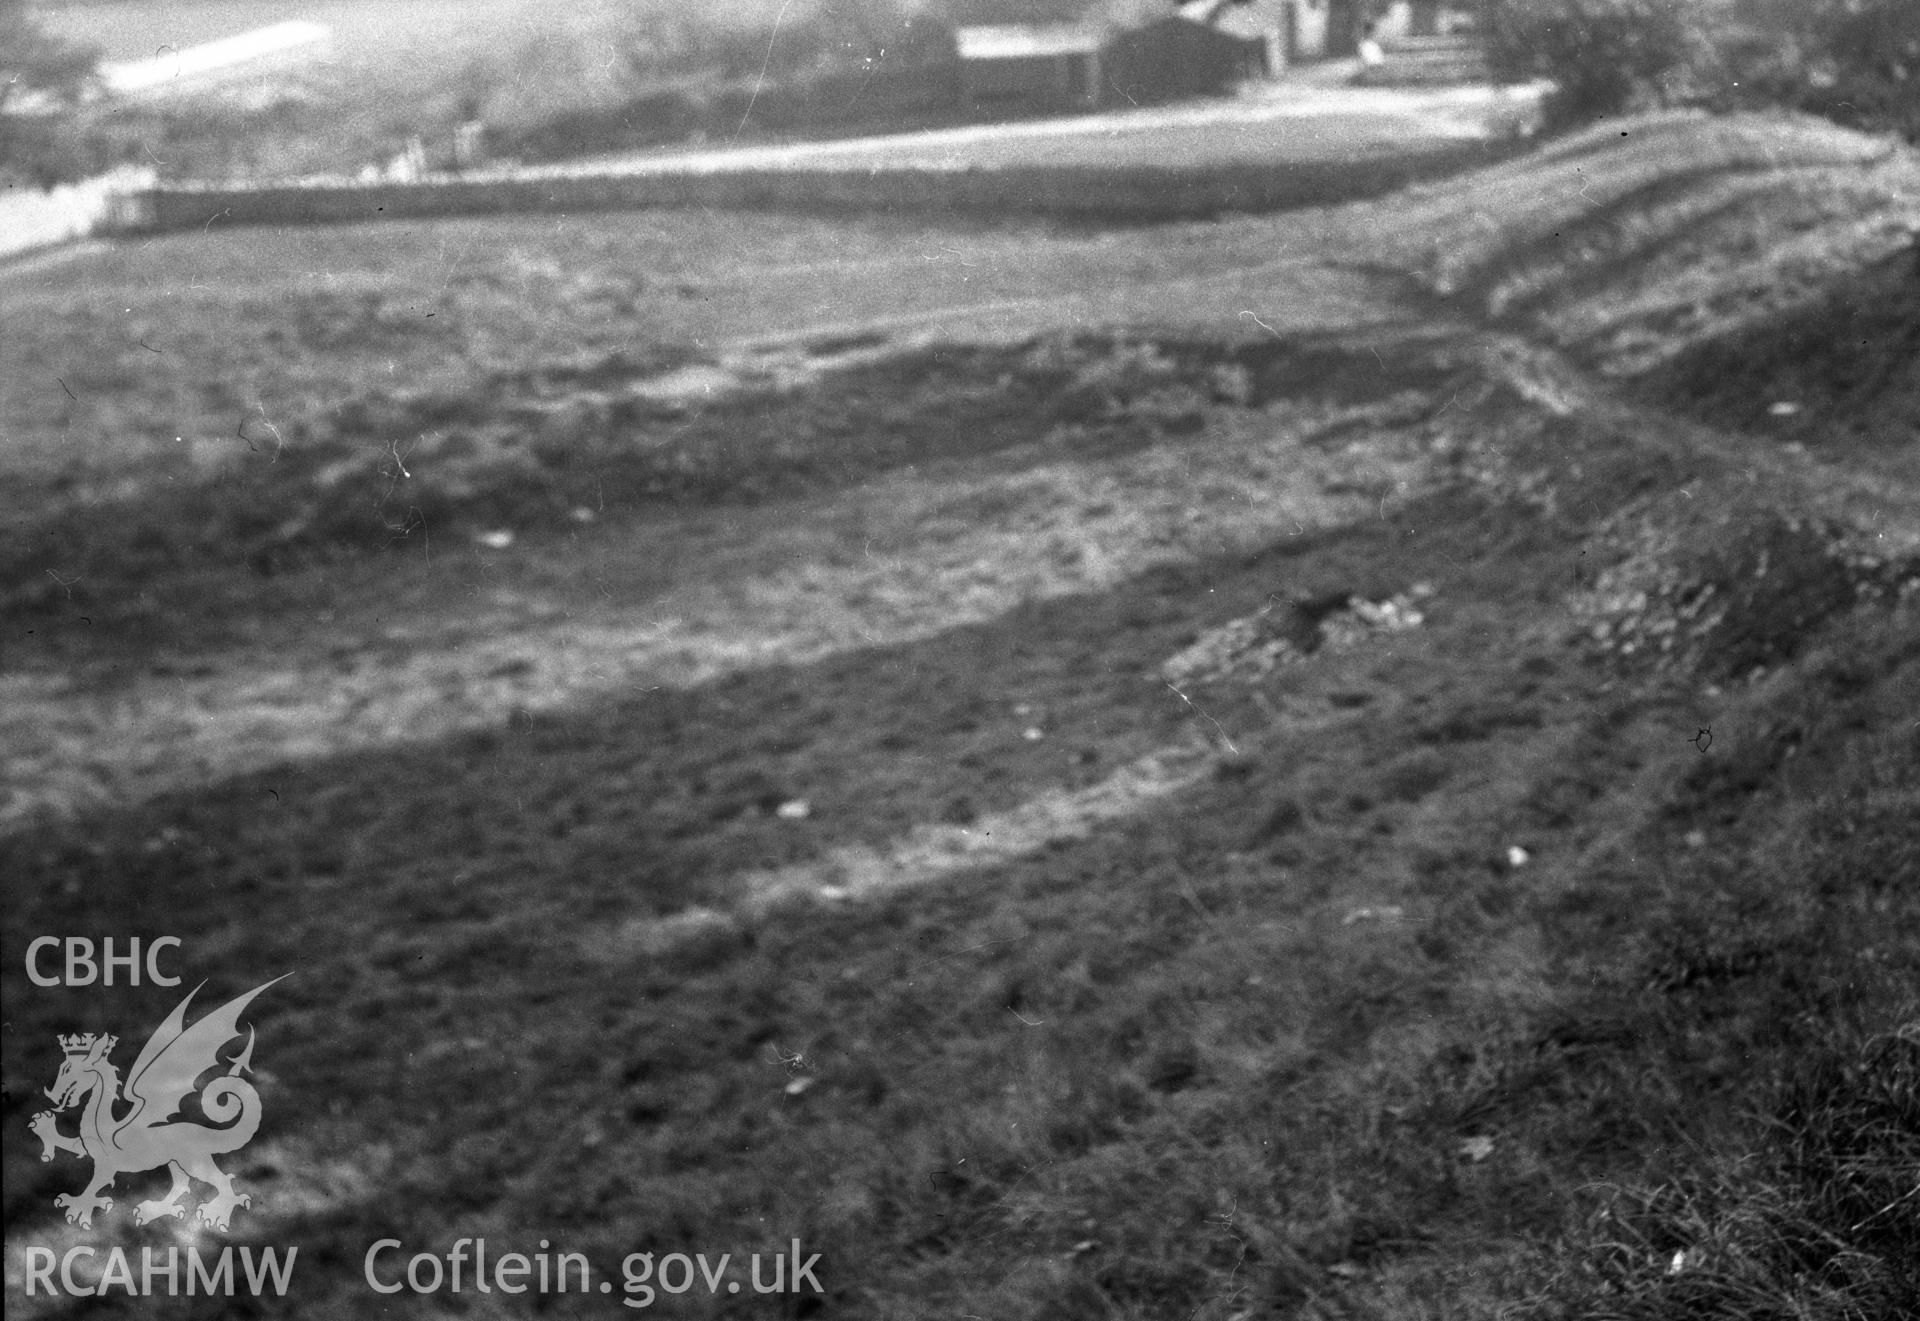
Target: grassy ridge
1295 995
538 451
1766 981
1552 953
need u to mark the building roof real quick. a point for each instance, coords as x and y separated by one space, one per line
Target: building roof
1247 22
1026 41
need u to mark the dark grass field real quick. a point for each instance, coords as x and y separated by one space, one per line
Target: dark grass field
1280 793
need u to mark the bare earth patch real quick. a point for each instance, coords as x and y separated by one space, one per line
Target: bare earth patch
928 557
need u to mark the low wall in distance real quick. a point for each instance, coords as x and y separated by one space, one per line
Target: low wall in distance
1087 193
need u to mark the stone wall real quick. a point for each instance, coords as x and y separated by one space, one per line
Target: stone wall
1125 194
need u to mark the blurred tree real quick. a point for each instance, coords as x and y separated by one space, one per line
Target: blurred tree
37 68
1604 56
42 81
1872 52
1857 61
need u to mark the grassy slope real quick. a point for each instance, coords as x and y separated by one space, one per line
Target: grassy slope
1294 1036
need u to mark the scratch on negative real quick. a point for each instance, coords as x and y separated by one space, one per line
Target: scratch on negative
942 958
1209 719
761 81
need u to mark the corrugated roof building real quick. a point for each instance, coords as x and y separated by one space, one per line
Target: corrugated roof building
1288 30
1177 58
1029 69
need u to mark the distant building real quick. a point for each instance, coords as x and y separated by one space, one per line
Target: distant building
1288 31
1201 48
1441 18
1176 58
1309 28
1424 18
1421 45
1029 69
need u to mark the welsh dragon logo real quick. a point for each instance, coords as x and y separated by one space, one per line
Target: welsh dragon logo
151 1132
